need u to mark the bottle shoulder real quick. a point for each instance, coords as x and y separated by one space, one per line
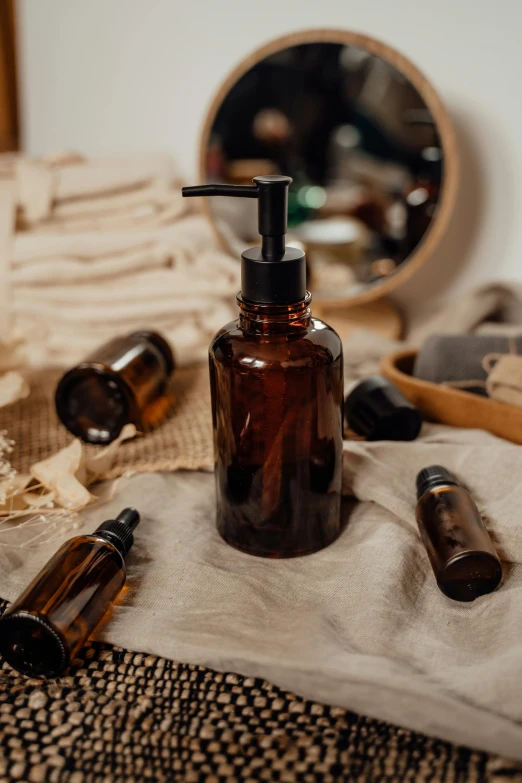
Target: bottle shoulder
92 544
317 341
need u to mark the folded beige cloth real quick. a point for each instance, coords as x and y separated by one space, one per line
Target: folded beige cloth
361 624
504 381
108 246
494 308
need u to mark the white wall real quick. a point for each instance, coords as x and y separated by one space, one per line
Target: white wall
110 76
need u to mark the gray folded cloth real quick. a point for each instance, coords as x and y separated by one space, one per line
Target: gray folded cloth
458 357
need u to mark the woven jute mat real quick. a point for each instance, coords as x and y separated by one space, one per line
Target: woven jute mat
182 441
126 717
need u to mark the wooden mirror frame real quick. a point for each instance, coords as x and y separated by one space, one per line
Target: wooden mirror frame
444 128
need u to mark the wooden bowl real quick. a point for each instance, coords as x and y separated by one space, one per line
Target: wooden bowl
452 406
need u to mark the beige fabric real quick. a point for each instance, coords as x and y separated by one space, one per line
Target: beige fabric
495 308
13 387
504 381
7 210
106 247
360 624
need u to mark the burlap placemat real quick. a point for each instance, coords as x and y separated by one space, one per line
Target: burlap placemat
182 441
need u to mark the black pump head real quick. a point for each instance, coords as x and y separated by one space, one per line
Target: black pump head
270 274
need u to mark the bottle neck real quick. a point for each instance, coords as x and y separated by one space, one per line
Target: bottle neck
274 319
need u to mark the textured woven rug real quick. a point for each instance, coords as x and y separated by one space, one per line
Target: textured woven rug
124 717
183 441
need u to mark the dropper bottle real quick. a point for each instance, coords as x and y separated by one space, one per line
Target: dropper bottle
44 629
277 393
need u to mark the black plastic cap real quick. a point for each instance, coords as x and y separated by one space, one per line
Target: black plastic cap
119 531
470 575
33 646
431 477
377 410
273 282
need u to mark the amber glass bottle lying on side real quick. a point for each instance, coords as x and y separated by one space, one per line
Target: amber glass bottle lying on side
123 381
461 552
44 629
277 394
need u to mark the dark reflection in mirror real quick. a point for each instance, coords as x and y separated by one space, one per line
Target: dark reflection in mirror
360 144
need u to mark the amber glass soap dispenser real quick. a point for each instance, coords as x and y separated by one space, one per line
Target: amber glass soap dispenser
277 394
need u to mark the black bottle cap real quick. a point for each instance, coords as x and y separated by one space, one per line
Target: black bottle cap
33 646
468 576
377 410
270 274
119 531
433 476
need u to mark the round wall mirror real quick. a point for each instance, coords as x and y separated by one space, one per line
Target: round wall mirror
369 147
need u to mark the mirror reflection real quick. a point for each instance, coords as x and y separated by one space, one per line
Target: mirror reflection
361 146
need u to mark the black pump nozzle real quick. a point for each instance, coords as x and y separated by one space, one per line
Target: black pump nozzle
264 278
272 194
119 531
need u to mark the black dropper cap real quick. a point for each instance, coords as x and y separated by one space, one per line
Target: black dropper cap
119 531
378 410
272 273
431 477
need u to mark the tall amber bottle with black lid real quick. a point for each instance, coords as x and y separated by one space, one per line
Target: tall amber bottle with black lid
277 393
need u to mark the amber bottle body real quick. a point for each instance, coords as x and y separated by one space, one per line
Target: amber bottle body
53 618
123 381
460 550
277 397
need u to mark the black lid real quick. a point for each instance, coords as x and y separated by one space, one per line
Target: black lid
469 575
377 410
119 531
270 274
33 646
433 476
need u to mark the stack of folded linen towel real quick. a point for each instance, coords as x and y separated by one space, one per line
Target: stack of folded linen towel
102 247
